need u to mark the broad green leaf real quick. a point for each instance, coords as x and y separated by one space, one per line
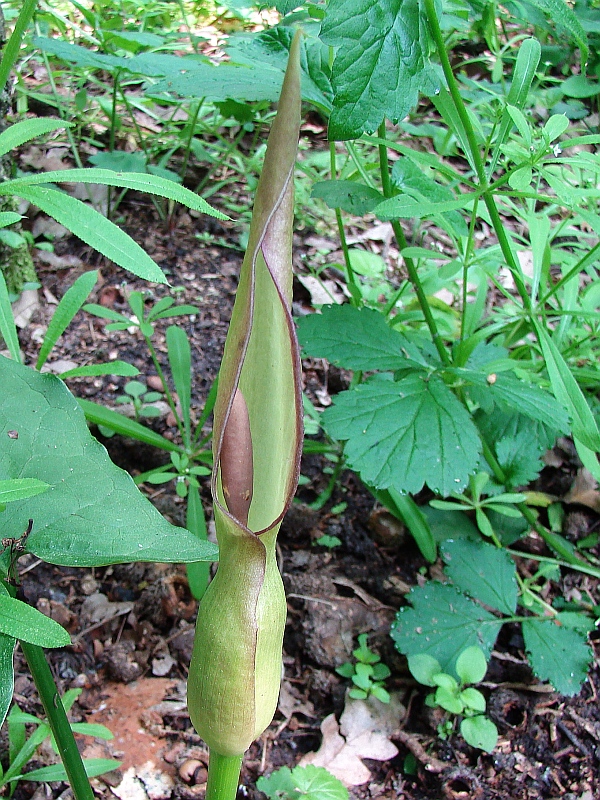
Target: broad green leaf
8 330
56 772
215 83
405 434
471 666
407 208
7 647
94 229
567 21
480 732
579 86
424 668
567 391
93 514
442 623
520 458
21 621
99 415
381 64
278 784
180 361
354 339
557 654
141 182
484 571
350 196
69 305
21 132
317 783
121 368
20 488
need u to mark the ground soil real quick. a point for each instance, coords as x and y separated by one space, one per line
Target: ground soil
132 664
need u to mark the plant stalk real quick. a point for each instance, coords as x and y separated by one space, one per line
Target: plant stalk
411 269
57 719
223 776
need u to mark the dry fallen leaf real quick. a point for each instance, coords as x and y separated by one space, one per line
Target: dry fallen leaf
584 491
363 732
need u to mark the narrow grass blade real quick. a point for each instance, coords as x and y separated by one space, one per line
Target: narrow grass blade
8 329
180 360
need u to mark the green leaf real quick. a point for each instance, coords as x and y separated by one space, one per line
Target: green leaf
354 339
20 488
56 772
409 208
557 654
93 514
350 196
72 300
180 361
92 729
423 667
484 571
9 218
98 415
7 647
215 83
317 783
278 784
405 434
567 391
447 699
94 229
471 666
473 699
480 732
579 86
566 20
121 368
106 313
21 621
404 508
441 623
381 65
8 330
520 459
21 132
141 182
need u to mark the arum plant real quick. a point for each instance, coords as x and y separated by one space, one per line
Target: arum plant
236 665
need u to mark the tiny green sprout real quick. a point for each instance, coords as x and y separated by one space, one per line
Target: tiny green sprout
457 697
137 395
368 674
327 541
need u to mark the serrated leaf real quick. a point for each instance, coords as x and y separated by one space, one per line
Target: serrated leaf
381 65
520 459
93 514
21 621
442 622
278 784
484 571
317 783
21 132
557 654
350 196
94 229
405 434
354 339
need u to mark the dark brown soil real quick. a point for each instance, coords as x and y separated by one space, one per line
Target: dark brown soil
132 666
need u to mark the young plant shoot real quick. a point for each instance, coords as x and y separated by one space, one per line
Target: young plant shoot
236 665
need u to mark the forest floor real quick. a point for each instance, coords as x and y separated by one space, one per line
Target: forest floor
132 626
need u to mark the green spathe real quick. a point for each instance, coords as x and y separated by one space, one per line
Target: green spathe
236 664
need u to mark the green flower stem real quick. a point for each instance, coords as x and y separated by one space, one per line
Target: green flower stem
223 776
355 292
487 194
57 719
161 375
413 274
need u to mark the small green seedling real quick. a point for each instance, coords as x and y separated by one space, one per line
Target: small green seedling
181 469
302 783
137 395
368 674
327 541
458 699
